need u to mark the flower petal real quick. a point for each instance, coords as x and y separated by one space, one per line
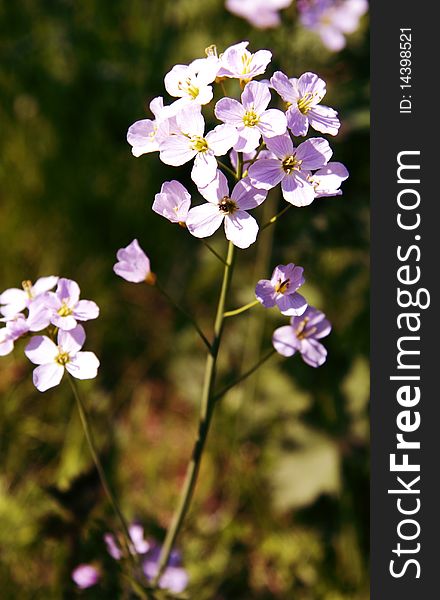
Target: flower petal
176 150
285 341
324 120
266 173
72 341
83 365
265 293
230 111
68 291
217 189
280 145
47 376
297 189
41 350
241 229
272 123
297 122
204 169
314 153
313 353
86 310
256 97
204 220
291 304
221 139
247 196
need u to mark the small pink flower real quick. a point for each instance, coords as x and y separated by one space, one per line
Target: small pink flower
262 14
86 576
52 359
134 264
238 63
281 290
65 306
14 300
173 202
191 82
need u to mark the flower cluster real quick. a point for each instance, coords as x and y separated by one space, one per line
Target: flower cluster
330 19
249 127
37 308
173 579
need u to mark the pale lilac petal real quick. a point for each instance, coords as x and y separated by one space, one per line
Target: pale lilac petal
68 292
297 122
204 169
265 293
86 310
324 120
314 153
190 121
281 145
174 78
241 229
41 350
174 579
290 272
176 150
65 323
248 139
316 321
112 548
72 341
6 344
217 189
173 202
310 83
204 220
328 180
313 353
256 97
142 137
229 111
284 86
47 376
44 284
39 314
272 123
247 196
285 341
141 546
83 365
291 304
266 173
14 301
85 576
221 139
297 189
134 264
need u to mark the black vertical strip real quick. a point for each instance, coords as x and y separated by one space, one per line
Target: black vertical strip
392 132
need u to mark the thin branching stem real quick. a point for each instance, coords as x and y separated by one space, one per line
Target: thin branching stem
242 309
275 218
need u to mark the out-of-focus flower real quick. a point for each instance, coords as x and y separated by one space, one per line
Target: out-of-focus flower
138 544
66 308
53 358
332 19
145 135
191 82
281 290
14 300
133 264
173 202
251 118
240 228
327 181
238 63
303 96
175 578
86 576
13 330
292 167
302 336
192 142
260 13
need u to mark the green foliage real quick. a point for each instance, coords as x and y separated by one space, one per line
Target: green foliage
281 508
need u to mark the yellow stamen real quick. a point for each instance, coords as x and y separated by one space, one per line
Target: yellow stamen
27 286
306 102
64 310
63 358
282 286
250 118
199 144
291 163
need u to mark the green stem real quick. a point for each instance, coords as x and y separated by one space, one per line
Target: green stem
245 375
185 313
93 451
214 252
206 411
237 311
276 217
228 169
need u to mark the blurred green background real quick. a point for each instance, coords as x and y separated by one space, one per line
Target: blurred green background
281 508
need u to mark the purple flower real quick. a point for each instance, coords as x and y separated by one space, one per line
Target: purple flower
238 63
250 118
145 135
260 13
302 336
280 290
173 202
86 576
139 544
328 180
303 96
292 167
174 578
13 330
240 228
53 358
192 142
14 300
331 19
66 308
134 264
191 82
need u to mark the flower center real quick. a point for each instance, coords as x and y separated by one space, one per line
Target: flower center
199 144
227 206
306 102
64 310
250 118
291 163
63 358
302 332
188 87
27 286
282 286
246 60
